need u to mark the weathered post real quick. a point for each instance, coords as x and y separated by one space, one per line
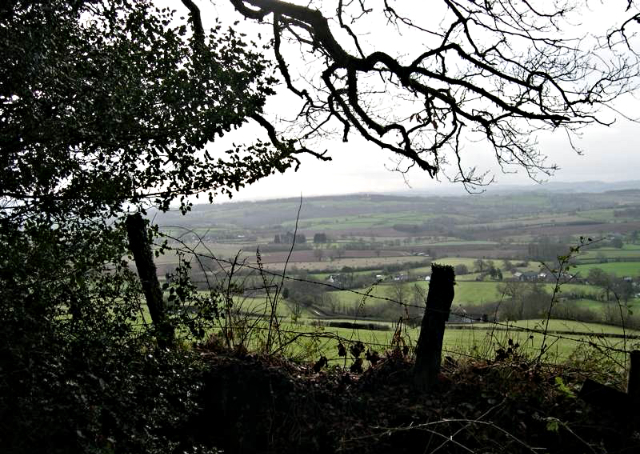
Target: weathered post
615 401
429 347
633 385
140 246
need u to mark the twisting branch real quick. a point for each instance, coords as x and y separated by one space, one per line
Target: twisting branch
196 20
287 149
622 30
282 64
501 70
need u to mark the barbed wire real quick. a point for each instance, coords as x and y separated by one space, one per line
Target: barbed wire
391 347
489 330
495 325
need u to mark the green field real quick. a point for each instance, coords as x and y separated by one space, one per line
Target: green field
353 262
531 221
471 293
627 251
262 305
474 293
465 243
452 261
323 276
467 293
620 269
573 326
589 304
373 220
454 229
481 340
470 264
361 221
603 256
603 215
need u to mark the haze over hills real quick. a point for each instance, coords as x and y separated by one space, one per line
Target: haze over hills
229 207
552 186
456 190
493 224
443 188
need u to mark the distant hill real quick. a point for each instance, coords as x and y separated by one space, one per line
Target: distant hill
553 186
420 212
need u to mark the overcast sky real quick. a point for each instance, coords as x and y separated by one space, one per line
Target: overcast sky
610 154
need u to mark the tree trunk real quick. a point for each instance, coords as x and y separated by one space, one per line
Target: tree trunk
141 248
429 347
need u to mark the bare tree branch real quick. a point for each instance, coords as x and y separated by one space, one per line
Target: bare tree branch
502 70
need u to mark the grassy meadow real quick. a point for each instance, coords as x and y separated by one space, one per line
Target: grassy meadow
565 340
393 238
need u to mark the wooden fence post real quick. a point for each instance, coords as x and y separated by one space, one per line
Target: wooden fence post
615 401
143 255
429 347
633 385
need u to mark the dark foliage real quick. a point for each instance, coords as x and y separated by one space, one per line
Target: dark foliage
105 106
499 406
78 373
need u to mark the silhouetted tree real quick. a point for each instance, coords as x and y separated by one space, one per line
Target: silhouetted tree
500 70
